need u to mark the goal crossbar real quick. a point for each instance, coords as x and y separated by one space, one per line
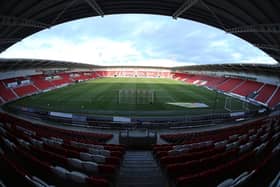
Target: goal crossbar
136 96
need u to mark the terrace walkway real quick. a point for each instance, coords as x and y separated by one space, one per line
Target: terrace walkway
139 169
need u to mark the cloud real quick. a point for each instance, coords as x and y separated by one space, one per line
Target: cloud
137 40
236 55
192 34
148 28
219 44
93 51
164 63
99 51
259 60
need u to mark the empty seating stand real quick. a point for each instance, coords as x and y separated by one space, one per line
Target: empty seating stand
40 82
265 93
25 90
230 84
62 80
260 92
275 99
37 84
56 159
6 93
48 131
207 158
181 76
212 82
217 134
247 88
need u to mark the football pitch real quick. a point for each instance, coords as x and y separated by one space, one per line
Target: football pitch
157 96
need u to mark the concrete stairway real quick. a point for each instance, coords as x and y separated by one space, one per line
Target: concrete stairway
139 169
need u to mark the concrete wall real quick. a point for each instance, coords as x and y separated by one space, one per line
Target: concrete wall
20 73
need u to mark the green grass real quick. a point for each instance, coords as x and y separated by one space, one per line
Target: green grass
101 97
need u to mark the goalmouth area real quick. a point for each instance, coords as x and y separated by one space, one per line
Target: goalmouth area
136 96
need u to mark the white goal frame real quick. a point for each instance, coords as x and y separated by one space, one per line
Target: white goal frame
228 104
136 96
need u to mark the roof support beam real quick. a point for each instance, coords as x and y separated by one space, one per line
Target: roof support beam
268 47
9 40
184 7
276 57
16 21
67 6
268 28
213 14
93 4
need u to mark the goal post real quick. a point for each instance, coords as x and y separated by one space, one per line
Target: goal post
228 104
126 96
232 104
136 96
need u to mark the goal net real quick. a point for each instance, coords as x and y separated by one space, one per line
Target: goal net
232 105
136 96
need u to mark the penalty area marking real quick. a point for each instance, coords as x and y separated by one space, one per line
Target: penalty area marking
189 105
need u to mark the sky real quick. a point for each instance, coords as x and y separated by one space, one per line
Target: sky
134 39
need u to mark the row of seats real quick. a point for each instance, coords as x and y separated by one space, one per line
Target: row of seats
181 76
25 90
247 88
30 167
212 82
207 163
83 76
106 153
276 99
265 93
62 80
243 143
76 139
6 93
230 84
210 177
13 173
216 134
97 153
262 175
178 153
58 161
137 73
40 82
48 131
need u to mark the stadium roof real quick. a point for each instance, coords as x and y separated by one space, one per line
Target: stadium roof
260 69
20 64
256 21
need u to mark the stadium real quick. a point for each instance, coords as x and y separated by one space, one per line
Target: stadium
65 123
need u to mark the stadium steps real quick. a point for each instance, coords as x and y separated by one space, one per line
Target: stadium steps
2 100
237 86
12 90
38 89
221 83
273 94
138 169
258 92
260 88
